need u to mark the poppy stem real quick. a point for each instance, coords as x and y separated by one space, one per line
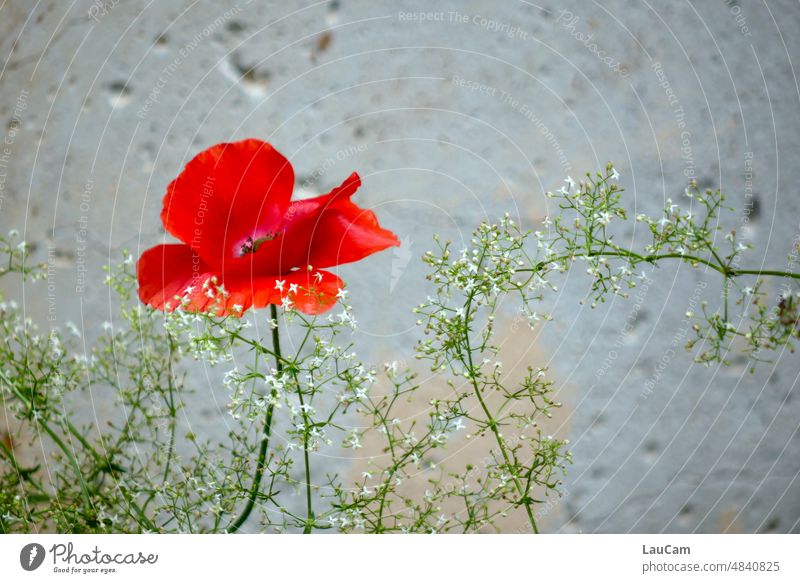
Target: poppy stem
264 446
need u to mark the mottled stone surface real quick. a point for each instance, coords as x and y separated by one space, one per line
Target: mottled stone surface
451 114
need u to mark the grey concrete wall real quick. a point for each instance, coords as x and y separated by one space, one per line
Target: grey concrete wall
451 112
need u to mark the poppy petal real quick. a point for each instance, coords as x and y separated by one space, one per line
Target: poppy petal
169 273
331 230
172 276
227 195
315 292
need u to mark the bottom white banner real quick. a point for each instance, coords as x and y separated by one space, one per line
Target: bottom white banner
355 558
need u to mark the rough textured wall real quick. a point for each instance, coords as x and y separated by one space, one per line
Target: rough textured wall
452 112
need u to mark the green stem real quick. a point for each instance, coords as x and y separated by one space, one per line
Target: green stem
59 442
309 525
726 271
737 272
262 451
310 518
491 421
22 473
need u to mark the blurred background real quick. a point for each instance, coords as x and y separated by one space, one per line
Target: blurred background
452 112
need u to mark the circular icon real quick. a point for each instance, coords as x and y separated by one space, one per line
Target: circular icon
31 556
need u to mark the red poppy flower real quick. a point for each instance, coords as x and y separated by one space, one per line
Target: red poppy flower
246 244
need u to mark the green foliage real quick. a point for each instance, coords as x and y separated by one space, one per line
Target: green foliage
144 470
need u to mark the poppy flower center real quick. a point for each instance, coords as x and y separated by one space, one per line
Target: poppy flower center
251 245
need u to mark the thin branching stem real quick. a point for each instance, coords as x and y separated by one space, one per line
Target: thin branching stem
264 445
